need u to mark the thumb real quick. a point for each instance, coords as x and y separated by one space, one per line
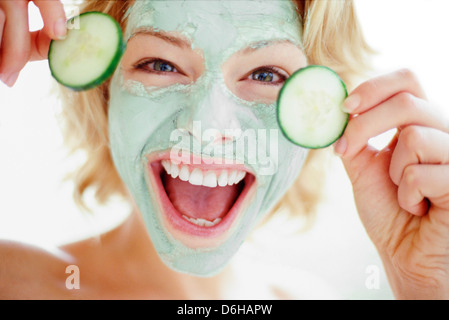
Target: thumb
53 15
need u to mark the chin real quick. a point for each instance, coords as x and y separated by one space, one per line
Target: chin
199 211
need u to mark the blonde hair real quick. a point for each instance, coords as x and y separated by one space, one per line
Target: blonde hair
332 37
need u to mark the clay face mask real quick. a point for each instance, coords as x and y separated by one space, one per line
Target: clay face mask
200 208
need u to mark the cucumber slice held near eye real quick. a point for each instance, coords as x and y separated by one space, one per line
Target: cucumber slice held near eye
90 52
309 107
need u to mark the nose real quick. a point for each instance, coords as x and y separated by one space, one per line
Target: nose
210 116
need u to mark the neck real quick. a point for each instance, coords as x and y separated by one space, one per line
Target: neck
132 247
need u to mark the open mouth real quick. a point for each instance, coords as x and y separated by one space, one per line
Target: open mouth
200 199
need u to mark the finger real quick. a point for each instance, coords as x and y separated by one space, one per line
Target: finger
420 182
15 42
418 145
375 91
53 15
2 25
399 111
39 45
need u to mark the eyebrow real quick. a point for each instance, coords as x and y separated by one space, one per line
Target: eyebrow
266 43
179 42
183 43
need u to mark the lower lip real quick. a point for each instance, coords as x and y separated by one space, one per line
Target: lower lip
180 224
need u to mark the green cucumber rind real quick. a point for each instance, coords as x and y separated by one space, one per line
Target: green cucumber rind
108 71
278 109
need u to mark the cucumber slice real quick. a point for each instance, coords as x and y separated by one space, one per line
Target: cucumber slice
89 54
309 107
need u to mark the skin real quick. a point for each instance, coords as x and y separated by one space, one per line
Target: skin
408 218
203 64
410 233
31 45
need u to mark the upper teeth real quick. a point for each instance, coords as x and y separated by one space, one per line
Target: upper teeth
206 178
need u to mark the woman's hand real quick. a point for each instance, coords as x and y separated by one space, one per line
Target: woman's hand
402 191
17 44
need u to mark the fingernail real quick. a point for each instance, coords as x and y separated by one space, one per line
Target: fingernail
351 103
9 80
60 29
341 146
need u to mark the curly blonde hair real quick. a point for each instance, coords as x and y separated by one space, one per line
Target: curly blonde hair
332 36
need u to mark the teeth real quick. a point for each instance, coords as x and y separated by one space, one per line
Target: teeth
210 179
232 177
240 176
223 179
174 170
197 177
202 222
184 174
166 165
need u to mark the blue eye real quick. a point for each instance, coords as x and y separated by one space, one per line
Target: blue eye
163 66
268 75
156 66
264 76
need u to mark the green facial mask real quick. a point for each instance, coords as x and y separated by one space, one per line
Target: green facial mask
142 119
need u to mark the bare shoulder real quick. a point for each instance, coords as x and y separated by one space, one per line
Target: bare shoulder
28 271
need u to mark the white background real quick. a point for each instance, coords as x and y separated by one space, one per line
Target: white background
335 257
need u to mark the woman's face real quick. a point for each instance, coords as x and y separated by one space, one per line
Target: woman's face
192 120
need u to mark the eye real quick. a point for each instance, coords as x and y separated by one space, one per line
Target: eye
269 75
156 66
163 66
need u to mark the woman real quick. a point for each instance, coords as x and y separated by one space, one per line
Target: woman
218 66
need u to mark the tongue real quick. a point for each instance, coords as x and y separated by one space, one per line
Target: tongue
199 201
